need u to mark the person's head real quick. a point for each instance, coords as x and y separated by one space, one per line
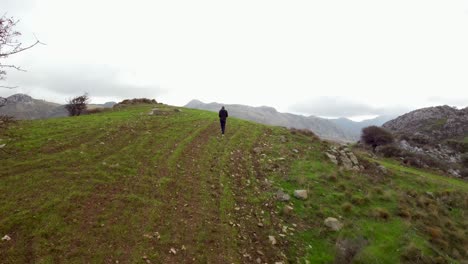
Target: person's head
222 107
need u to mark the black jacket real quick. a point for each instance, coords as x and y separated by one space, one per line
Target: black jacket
223 114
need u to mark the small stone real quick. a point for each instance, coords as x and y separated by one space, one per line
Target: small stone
2 146
173 251
287 209
333 224
260 225
272 240
295 151
282 196
300 194
6 238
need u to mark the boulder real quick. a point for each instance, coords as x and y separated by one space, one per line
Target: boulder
300 194
333 224
347 163
353 158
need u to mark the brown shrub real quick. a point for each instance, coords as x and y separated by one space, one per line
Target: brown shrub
95 110
347 207
390 151
434 232
381 213
304 132
6 121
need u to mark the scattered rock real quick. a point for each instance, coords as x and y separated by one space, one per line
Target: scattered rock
333 224
272 240
353 158
173 251
300 194
287 210
295 151
257 150
2 146
347 249
283 139
282 196
260 224
382 169
332 158
6 238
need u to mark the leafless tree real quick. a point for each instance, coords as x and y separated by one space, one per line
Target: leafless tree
76 106
10 45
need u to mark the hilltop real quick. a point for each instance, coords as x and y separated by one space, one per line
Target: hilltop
143 185
436 123
438 136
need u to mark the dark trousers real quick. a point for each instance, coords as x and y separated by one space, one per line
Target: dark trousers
223 125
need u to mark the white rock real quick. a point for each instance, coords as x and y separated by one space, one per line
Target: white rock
6 238
300 194
333 224
272 240
2 146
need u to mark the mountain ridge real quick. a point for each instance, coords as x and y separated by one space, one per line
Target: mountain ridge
326 128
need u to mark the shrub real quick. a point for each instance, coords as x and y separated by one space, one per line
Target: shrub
95 111
376 136
77 106
464 160
135 101
347 207
304 132
382 213
464 173
389 151
5 121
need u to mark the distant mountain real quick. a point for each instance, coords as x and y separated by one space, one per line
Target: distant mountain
269 116
435 137
437 123
22 106
353 128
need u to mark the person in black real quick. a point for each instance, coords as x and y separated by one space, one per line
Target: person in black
223 115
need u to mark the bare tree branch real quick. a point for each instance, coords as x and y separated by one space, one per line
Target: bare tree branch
9 45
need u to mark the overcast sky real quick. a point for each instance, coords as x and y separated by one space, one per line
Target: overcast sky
327 58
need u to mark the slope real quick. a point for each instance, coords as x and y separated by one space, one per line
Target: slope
127 187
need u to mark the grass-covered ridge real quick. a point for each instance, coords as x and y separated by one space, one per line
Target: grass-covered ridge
129 187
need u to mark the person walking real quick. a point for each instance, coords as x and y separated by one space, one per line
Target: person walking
223 115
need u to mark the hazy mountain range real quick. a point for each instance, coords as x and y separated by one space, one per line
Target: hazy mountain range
341 129
22 106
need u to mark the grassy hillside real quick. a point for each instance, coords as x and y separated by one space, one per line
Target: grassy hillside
127 187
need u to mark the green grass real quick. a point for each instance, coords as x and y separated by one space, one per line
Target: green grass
122 185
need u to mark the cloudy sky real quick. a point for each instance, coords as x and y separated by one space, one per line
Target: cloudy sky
327 58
